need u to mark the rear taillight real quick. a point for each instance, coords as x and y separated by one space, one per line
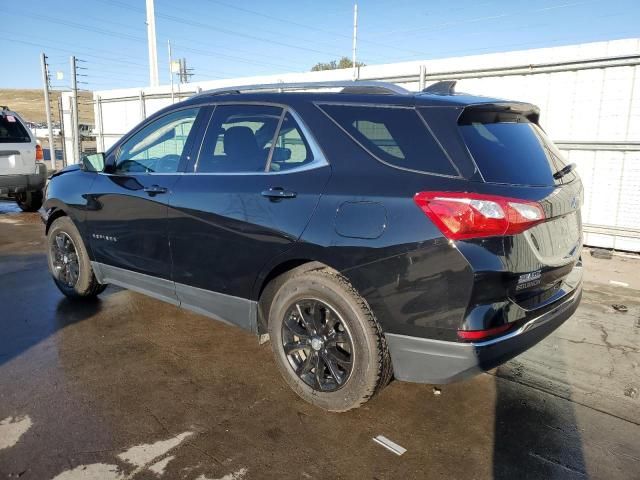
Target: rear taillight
461 215
478 335
39 154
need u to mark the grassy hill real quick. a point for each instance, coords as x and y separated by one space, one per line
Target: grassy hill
29 103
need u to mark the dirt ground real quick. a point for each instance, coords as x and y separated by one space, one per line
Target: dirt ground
29 103
128 387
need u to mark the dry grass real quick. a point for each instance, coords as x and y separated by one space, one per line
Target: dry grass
29 103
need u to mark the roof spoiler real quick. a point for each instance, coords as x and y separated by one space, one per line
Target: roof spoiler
492 111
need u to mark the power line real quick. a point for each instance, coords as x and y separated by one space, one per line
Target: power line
141 10
197 24
207 53
101 31
455 23
62 59
40 45
137 39
281 34
303 25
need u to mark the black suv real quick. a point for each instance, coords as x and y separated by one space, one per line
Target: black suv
369 231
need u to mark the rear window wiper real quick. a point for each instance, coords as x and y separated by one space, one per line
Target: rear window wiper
564 171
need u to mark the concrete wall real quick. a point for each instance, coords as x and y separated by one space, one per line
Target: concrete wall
589 95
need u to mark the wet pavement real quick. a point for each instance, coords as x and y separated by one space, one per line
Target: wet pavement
128 387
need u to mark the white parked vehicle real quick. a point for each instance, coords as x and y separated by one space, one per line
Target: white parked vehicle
22 173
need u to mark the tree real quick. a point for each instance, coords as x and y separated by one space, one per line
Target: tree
344 62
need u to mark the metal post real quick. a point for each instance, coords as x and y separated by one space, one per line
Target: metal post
47 104
171 70
143 112
423 76
75 114
151 39
64 148
99 119
355 41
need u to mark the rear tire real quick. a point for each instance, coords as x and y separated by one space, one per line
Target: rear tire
29 201
69 263
336 355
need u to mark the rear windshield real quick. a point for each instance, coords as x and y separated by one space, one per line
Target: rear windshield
395 136
508 148
12 131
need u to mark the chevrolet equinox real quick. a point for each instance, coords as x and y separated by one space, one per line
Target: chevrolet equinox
370 232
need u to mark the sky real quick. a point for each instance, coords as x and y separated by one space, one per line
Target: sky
231 38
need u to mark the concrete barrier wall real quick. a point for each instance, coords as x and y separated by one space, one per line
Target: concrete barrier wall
589 95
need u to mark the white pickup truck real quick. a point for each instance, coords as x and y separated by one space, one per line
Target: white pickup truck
22 173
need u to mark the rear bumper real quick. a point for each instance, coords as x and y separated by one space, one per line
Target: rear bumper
425 360
10 184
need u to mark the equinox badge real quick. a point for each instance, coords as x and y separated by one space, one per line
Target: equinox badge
527 280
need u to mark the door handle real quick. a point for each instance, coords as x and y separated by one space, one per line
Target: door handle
276 193
155 189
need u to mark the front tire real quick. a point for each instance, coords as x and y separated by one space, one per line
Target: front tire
327 344
69 263
29 201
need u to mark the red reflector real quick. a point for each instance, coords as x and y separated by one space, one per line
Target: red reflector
39 154
469 335
461 215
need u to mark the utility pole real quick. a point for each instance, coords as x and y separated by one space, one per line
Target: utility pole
60 115
77 148
170 69
355 40
185 73
151 39
47 103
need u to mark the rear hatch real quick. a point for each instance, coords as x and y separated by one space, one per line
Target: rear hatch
516 159
17 151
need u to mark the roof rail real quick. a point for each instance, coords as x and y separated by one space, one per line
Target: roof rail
444 87
349 86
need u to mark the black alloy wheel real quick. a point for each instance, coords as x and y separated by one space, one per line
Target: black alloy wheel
69 262
317 344
64 259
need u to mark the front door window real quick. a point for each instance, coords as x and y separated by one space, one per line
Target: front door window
158 147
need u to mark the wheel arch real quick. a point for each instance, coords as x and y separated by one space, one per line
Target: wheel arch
54 214
270 280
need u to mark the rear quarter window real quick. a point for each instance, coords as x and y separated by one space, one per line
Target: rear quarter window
12 130
395 136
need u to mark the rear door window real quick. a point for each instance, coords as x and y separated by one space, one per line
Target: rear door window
394 135
291 149
508 148
238 139
12 130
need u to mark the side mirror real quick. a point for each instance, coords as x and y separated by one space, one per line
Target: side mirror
93 163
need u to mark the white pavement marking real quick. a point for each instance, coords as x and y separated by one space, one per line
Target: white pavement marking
12 428
159 467
12 221
142 455
95 471
237 475
389 445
